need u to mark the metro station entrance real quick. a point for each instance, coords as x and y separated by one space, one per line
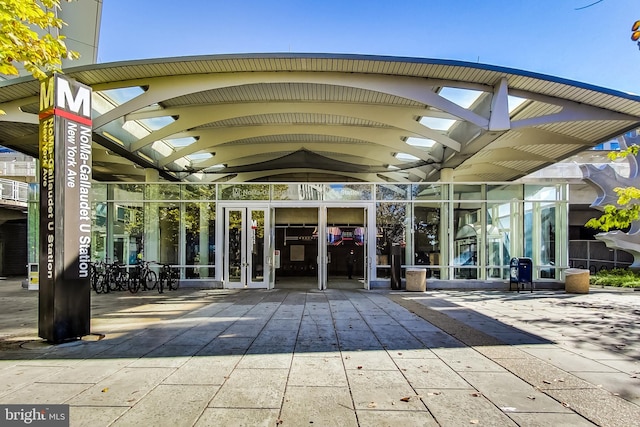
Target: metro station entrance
308 247
297 245
246 247
346 248
320 247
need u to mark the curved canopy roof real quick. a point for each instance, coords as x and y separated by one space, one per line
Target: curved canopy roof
313 117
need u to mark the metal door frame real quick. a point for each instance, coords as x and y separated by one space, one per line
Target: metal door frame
245 249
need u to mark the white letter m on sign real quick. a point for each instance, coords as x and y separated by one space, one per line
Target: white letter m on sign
66 99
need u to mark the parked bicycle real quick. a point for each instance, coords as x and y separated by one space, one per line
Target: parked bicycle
169 278
107 277
96 277
143 277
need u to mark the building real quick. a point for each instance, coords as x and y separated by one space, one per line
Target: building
253 170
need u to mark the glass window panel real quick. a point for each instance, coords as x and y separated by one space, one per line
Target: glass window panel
428 192
163 191
540 237
393 191
199 192
467 235
99 232
128 231
505 192
200 248
234 230
548 242
168 233
426 223
98 192
528 229
128 192
467 192
391 220
244 192
541 192
347 192
301 191
257 244
498 237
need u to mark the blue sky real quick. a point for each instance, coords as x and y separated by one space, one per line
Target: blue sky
591 45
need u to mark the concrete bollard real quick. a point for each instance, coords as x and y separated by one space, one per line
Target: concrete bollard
576 281
416 279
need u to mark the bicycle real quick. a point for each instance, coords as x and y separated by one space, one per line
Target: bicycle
118 277
99 277
95 277
143 277
168 277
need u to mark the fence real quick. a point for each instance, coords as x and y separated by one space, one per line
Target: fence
14 192
594 255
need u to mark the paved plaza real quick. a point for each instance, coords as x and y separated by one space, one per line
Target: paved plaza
339 357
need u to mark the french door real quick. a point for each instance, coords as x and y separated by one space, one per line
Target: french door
246 247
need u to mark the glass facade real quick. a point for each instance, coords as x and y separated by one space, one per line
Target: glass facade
457 231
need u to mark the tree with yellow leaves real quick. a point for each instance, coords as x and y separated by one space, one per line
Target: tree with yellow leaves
20 43
627 210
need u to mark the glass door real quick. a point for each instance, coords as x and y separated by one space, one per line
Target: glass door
346 252
246 247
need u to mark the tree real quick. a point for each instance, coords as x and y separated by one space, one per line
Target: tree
628 204
20 43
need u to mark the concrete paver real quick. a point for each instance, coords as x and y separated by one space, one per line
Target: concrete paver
335 358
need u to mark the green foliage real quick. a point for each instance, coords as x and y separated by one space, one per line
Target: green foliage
616 218
632 150
628 210
21 44
618 277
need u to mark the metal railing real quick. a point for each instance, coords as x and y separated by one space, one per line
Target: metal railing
13 192
17 168
594 255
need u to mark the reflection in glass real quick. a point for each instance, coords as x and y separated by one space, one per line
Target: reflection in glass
257 245
169 233
128 232
347 191
162 192
244 192
427 192
235 245
302 191
505 192
391 219
541 192
199 222
467 239
426 224
393 191
199 192
498 240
